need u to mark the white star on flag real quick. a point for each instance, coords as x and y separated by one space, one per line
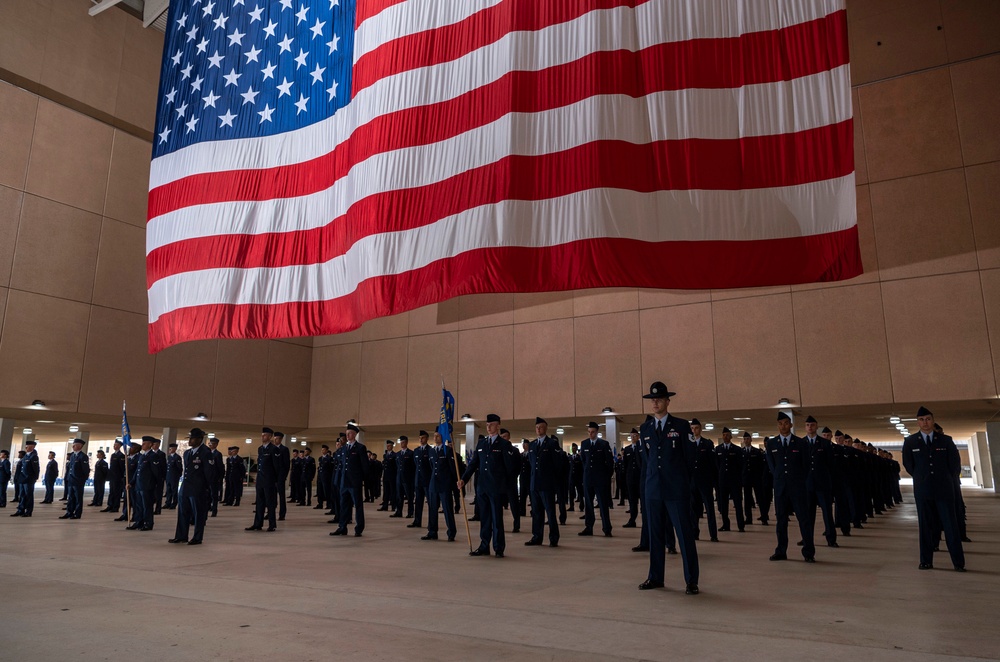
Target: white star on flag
317 29
249 96
236 37
252 54
227 119
211 99
317 74
301 104
285 88
265 115
191 123
300 59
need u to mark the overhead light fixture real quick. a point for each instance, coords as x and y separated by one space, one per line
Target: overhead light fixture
45 422
249 440
294 439
900 426
784 401
709 426
74 428
26 430
755 435
736 430
37 404
466 417
600 435
211 435
304 443
201 417
608 410
560 431
894 419
741 418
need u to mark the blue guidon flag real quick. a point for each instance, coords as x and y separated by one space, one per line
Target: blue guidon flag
320 163
447 415
126 431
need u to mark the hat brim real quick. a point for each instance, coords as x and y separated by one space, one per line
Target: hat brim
650 396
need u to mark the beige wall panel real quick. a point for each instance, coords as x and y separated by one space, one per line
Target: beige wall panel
117 366
338 339
991 297
486 372
56 252
606 300
984 202
910 126
240 382
336 377
140 75
10 216
544 369
381 328
971 27
128 182
121 268
184 380
383 382
841 346
860 161
83 54
42 350
892 38
608 374
289 374
678 349
17 108
22 36
302 341
923 225
70 155
938 344
866 238
665 298
541 306
478 311
436 318
977 104
755 352
747 292
430 359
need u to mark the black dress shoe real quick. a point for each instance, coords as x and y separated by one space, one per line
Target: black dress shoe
271 529
499 555
357 534
778 557
810 559
846 533
516 529
692 589
253 528
800 543
67 516
451 538
650 584
174 541
145 528
317 507
413 526
338 532
194 542
473 519
628 525
714 539
723 528
120 519
429 536
959 568
532 543
966 539
15 514
743 530
607 534
395 515
640 548
479 552
106 510
381 509
586 532
671 550
281 519
832 544
926 566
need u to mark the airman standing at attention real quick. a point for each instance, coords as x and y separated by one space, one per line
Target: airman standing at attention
49 478
5 475
439 489
788 460
77 473
932 459
541 457
353 469
161 460
195 498
704 480
598 465
421 479
27 471
100 477
668 457
819 480
494 462
511 497
307 474
406 471
729 458
266 485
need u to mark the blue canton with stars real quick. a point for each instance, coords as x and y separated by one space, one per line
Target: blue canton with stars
249 68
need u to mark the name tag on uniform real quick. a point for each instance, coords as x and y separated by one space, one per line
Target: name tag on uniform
794 450
917 450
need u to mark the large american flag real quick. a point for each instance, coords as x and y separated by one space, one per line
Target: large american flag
320 163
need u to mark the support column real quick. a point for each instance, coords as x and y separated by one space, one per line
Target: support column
7 436
611 433
470 438
168 437
993 451
983 471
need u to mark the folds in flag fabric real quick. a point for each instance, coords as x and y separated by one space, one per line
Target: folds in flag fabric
447 415
320 163
126 432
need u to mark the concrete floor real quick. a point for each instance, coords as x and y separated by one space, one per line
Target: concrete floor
88 590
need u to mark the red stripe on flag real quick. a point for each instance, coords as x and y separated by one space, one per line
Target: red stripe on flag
750 163
625 263
810 42
365 9
450 42
524 92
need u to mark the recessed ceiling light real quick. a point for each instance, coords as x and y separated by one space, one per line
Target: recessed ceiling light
74 428
894 419
26 430
742 418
